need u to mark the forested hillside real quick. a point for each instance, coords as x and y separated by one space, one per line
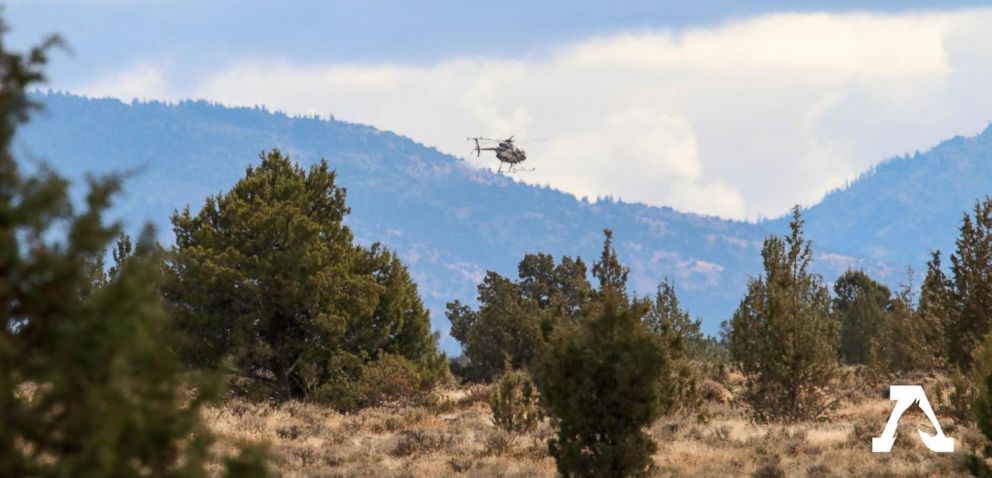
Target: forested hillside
451 222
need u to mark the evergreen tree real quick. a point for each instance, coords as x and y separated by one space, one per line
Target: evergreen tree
901 344
782 335
514 319
601 382
266 283
400 324
971 296
88 387
562 289
609 271
123 249
504 332
679 334
934 311
861 306
982 408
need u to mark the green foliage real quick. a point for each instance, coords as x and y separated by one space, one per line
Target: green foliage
514 403
962 396
389 379
934 311
267 284
904 341
505 331
782 335
955 312
561 290
515 318
982 406
970 296
610 272
680 335
399 325
601 383
88 387
861 306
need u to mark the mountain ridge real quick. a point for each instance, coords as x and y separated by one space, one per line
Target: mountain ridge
451 222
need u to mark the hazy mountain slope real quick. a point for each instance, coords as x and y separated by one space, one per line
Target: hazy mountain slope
451 222
906 206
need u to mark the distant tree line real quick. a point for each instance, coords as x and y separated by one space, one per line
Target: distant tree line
789 337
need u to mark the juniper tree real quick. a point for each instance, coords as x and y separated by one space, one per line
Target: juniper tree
678 332
88 386
977 463
609 271
514 318
400 324
563 289
601 382
971 294
861 306
267 284
934 310
123 249
782 335
504 332
901 343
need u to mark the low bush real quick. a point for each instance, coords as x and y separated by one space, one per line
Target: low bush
514 403
389 379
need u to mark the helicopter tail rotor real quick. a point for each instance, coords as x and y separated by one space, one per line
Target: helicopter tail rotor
478 148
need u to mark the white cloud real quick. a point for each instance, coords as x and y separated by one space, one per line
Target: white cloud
142 81
739 120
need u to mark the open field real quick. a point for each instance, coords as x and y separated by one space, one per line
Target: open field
453 436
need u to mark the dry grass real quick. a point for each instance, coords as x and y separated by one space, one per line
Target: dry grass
455 437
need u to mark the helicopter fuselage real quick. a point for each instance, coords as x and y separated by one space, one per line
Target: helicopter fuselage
512 156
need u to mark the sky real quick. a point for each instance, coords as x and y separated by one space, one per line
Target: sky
737 109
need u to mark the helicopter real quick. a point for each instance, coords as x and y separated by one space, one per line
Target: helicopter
506 152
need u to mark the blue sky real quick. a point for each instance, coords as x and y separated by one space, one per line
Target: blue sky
735 108
109 33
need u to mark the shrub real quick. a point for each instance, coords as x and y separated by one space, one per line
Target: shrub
982 407
419 442
499 442
771 468
600 383
388 379
712 391
962 397
514 403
